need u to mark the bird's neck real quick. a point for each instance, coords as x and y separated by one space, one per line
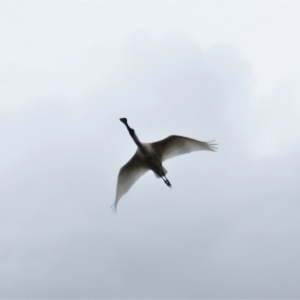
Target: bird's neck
134 136
136 140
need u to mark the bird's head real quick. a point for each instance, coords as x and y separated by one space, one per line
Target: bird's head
130 130
123 120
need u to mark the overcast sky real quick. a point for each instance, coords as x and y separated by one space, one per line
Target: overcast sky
230 225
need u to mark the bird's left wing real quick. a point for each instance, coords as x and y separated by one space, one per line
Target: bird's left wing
175 145
128 175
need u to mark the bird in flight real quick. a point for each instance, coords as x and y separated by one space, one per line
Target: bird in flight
150 156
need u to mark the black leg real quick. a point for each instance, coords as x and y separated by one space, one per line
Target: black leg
167 182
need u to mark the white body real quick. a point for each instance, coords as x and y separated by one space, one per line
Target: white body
150 156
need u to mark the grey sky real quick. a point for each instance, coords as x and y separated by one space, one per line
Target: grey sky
229 227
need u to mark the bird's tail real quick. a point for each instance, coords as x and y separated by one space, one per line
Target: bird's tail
165 171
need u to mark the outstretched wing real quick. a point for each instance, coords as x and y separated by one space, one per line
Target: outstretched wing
175 145
128 175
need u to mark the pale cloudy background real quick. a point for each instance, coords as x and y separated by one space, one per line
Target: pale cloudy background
229 227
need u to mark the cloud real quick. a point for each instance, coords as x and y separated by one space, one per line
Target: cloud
227 218
274 122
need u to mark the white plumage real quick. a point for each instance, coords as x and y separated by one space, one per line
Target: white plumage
150 156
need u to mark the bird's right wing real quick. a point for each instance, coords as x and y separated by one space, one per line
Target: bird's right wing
128 175
175 145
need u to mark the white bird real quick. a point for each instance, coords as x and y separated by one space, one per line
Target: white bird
149 156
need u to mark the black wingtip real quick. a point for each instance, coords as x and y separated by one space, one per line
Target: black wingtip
114 208
213 145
